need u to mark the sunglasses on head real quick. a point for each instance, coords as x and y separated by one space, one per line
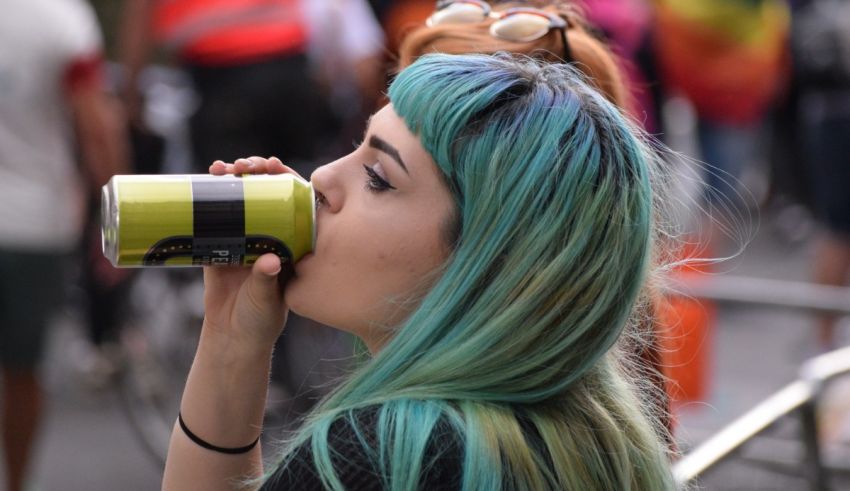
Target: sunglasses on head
517 24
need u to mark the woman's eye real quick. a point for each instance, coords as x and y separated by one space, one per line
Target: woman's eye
376 183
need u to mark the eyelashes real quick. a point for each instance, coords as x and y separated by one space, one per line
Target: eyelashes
375 183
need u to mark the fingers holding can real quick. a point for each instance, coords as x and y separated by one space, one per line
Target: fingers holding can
251 165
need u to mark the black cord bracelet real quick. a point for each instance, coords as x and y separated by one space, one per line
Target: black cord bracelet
209 446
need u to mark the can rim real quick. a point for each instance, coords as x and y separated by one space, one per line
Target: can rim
313 222
109 222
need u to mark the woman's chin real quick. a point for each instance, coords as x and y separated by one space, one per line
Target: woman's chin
298 312
292 295
300 299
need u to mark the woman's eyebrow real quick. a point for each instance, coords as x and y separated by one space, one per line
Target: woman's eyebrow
380 144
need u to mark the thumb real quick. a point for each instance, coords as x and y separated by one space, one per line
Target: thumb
265 292
264 285
259 307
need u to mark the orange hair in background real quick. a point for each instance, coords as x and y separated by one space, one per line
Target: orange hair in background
402 17
590 55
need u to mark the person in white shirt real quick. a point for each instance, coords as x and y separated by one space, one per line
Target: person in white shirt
52 104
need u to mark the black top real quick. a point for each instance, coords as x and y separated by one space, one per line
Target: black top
357 472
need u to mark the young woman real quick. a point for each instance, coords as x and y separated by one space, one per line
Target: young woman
487 242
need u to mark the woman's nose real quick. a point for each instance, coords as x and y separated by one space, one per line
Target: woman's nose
329 192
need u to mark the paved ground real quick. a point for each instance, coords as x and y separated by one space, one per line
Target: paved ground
87 444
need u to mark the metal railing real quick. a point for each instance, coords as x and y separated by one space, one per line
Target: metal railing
795 295
801 396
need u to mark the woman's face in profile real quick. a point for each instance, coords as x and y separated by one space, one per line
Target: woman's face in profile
380 232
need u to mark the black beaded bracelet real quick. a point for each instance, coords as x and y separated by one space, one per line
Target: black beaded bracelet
209 446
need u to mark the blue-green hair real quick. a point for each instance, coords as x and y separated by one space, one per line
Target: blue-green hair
552 242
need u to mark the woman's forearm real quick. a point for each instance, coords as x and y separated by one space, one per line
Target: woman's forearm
223 404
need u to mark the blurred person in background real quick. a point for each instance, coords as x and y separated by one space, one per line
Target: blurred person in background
821 54
626 26
248 62
464 27
287 78
346 51
466 31
51 91
622 25
729 58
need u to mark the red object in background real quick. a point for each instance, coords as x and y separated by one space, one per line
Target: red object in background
686 337
84 73
224 32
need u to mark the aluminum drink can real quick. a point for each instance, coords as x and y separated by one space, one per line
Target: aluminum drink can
200 220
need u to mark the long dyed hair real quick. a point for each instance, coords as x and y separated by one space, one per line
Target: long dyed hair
552 239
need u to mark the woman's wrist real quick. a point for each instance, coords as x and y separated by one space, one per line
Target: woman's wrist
231 351
225 394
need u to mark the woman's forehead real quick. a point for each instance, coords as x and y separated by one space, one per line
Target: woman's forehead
386 119
392 129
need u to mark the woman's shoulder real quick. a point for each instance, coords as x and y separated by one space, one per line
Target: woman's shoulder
353 446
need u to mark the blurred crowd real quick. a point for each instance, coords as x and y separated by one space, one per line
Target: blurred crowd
84 95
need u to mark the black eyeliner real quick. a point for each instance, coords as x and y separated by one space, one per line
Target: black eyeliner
376 182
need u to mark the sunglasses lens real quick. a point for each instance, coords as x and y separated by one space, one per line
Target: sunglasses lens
520 27
458 13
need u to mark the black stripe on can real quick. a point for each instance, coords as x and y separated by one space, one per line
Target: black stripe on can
218 212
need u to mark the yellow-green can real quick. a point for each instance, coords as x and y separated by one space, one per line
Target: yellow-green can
201 220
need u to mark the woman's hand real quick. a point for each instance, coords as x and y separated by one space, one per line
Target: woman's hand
244 308
251 165
225 394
